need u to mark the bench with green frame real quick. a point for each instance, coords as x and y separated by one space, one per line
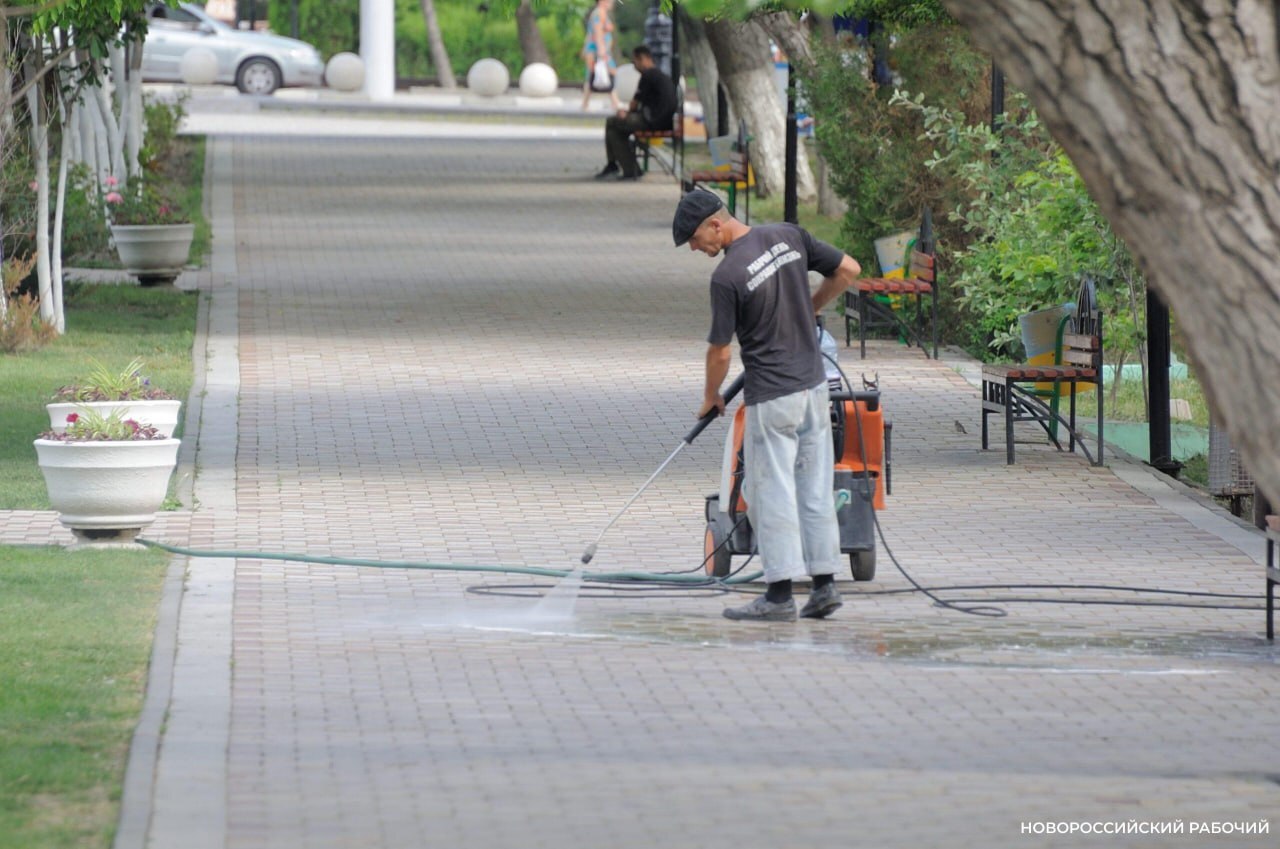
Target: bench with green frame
737 174
869 302
645 139
1011 391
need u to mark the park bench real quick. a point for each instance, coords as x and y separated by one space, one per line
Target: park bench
865 302
1011 392
647 140
737 157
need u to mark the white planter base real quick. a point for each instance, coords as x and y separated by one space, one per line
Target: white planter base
107 491
154 253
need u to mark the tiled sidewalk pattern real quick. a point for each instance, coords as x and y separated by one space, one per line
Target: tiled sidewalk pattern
465 351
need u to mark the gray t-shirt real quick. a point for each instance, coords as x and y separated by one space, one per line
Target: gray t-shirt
760 291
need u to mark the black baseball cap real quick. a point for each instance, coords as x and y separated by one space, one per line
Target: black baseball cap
694 208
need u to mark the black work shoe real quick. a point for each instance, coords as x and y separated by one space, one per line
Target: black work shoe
624 177
607 171
822 603
762 610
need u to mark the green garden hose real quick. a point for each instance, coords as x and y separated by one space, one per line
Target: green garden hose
601 577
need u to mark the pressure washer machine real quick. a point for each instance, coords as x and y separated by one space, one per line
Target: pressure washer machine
863 477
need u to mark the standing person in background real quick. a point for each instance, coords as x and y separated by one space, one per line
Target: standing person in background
599 46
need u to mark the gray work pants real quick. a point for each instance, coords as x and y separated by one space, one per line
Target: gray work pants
790 463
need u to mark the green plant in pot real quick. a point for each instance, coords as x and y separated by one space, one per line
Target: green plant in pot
151 228
107 475
104 391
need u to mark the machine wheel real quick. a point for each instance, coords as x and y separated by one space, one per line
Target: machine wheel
863 564
716 540
258 76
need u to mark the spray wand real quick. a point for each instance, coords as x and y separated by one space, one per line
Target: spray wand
733 390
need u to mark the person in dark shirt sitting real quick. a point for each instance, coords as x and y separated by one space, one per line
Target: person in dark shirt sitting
652 108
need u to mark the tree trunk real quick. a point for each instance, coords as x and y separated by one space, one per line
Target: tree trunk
59 210
796 41
1168 110
40 144
532 47
746 70
439 56
696 52
133 129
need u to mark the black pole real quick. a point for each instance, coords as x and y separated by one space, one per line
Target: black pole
1161 439
722 110
293 18
675 44
997 97
789 213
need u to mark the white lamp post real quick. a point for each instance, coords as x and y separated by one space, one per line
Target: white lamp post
378 47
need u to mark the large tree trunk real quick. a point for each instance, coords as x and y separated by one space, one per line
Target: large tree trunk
1168 109
439 56
746 70
532 47
696 54
796 40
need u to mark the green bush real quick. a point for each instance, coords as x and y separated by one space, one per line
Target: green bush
1033 230
471 31
873 145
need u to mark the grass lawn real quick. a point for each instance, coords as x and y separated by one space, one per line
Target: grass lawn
75 637
112 324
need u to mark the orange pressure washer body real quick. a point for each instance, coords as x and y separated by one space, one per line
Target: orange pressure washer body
862 473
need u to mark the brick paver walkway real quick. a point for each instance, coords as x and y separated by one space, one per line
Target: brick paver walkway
465 351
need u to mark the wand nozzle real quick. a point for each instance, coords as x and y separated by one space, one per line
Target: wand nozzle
734 389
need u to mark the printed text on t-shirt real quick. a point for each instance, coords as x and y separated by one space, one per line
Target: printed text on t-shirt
768 263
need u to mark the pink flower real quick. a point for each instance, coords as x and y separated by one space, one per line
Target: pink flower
72 418
33 185
114 197
112 182
133 426
164 210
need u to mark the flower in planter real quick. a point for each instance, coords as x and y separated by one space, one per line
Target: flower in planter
101 384
143 202
94 427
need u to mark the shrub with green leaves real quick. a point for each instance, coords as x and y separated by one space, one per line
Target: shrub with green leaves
1033 230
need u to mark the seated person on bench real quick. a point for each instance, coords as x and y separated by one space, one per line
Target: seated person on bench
651 109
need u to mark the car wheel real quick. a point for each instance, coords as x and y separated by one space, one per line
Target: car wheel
258 76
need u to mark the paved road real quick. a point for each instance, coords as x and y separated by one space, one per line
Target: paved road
462 350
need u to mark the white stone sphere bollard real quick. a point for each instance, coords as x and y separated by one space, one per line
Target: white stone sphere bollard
488 78
345 72
198 66
538 80
624 84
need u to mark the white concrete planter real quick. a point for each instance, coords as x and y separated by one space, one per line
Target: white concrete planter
107 490
154 253
162 415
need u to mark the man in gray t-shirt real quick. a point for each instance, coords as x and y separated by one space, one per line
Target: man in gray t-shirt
760 293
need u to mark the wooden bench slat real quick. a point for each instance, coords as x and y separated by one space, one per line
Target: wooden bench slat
1092 359
717 176
1037 373
1081 341
893 286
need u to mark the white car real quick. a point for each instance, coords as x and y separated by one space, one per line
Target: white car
255 62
